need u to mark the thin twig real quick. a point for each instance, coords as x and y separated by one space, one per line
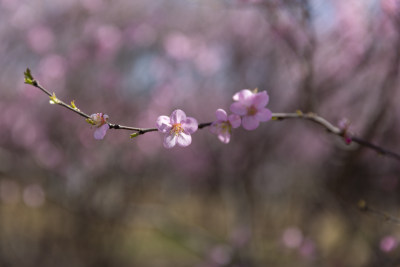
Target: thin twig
59 102
275 116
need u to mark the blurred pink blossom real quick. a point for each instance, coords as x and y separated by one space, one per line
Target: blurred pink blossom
143 35
52 71
178 128
392 7
10 5
241 236
23 18
251 106
179 46
47 154
221 254
224 124
34 196
388 243
100 121
53 66
40 39
307 248
208 60
109 40
292 237
93 5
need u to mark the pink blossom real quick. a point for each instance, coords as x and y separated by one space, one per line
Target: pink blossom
99 120
251 106
178 128
292 237
224 124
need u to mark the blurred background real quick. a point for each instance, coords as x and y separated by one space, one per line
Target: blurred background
285 194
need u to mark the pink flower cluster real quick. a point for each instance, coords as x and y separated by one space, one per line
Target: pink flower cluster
248 109
251 106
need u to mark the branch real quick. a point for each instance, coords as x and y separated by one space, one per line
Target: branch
275 116
336 131
362 206
54 100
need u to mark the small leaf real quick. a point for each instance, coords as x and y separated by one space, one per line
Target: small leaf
28 77
90 121
54 99
73 105
134 135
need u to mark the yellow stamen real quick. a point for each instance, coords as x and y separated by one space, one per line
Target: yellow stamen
176 129
251 111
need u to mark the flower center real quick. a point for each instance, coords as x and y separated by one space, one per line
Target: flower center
103 120
176 129
226 126
251 111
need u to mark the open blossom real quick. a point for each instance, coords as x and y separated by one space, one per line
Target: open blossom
99 120
251 106
178 128
224 124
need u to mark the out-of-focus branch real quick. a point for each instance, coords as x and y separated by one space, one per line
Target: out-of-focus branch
335 130
275 116
362 206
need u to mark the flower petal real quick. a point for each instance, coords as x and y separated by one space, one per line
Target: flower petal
96 119
242 95
264 114
100 132
184 139
170 140
190 125
177 116
163 124
224 136
238 108
260 99
214 127
221 114
234 120
250 122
